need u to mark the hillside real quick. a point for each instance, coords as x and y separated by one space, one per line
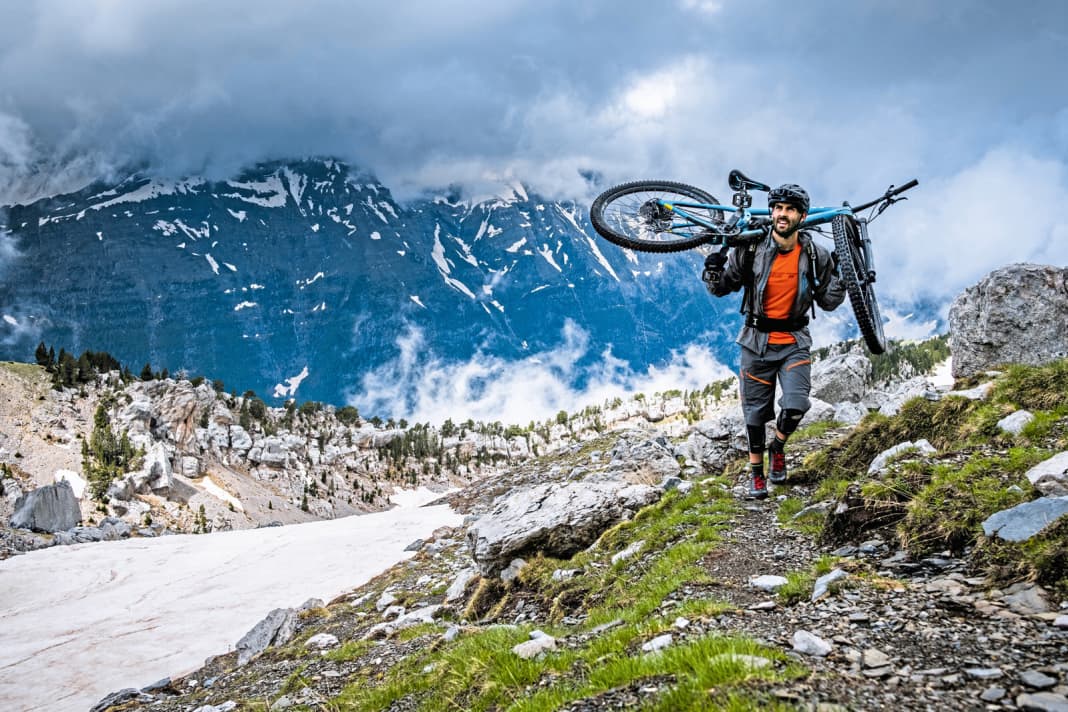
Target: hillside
920 609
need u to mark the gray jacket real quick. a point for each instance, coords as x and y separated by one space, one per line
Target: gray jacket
827 290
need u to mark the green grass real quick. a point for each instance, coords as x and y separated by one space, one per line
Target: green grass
810 523
478 671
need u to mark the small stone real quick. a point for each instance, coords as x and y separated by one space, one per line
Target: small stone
768 582
879 671
993 694
386 600
859 617
630 551
991 673
681 622
511 573
872 546
823 583
875 658
749 661
658 643
451 633
531 649
1061 622
845 551
415 545
322 640
764 606
808 643
1037 680
564 574
282 703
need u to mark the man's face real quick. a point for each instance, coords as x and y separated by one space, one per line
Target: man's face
785 218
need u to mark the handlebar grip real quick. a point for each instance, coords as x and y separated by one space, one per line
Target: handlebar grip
911 184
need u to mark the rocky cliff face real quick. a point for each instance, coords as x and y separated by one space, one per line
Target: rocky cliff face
1016 314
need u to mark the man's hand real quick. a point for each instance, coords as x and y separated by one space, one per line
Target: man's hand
713 273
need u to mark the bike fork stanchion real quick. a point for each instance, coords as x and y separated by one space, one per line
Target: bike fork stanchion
869 260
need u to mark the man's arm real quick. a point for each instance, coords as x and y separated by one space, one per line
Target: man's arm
723 278
831 292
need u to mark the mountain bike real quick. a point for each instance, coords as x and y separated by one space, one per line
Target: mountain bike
664 216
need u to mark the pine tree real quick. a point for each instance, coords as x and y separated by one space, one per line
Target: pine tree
41 355
146 372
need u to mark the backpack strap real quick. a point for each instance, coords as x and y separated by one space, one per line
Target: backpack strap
810 250
748 257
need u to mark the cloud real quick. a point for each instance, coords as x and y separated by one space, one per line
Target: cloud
422 387
429 95
1002 208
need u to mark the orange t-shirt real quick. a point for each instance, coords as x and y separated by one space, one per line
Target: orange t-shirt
781 291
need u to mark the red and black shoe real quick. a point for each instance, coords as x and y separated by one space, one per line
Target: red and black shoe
758 485
777 458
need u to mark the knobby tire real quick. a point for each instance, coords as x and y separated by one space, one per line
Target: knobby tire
621 216
854 273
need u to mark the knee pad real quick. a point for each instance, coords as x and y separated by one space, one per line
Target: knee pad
756 438
788 420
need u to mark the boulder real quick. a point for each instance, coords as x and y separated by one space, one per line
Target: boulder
1016 314
841 378
277 628
156 475
51 508
557 519
1025 520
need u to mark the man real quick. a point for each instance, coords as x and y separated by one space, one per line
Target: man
783 274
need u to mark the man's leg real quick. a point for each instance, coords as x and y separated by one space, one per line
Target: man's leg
757 389
795 379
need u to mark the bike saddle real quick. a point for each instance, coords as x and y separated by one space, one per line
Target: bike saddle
739 181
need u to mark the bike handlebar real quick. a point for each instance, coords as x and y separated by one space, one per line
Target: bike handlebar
888 194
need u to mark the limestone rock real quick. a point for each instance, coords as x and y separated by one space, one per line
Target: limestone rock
1016 314
559 519
841 378
51 508
277 628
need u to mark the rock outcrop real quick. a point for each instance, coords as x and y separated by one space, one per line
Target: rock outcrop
51 508
1015 314
557 519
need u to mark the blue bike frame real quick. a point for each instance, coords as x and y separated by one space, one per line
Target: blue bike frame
741 218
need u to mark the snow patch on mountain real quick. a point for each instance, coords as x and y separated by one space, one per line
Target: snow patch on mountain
267 193
444 269
213 263
238 215
546 252
150 190
515 247
244 305
289 389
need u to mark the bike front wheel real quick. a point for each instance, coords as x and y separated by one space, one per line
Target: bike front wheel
854 271
640 216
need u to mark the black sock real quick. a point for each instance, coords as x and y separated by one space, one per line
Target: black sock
757 468
777 444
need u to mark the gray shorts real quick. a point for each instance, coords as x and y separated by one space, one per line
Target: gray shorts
788 364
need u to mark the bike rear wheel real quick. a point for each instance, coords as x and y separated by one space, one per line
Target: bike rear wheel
632 215
854 271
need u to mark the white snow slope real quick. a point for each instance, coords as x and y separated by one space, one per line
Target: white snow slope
79 622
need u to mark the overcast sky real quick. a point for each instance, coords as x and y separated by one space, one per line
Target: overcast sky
843 96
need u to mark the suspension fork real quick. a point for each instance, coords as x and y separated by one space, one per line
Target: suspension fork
865 244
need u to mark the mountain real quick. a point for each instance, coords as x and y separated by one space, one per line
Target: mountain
299 278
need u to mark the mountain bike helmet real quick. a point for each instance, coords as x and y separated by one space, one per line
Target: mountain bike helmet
792 194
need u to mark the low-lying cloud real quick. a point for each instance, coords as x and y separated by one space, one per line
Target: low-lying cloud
422 387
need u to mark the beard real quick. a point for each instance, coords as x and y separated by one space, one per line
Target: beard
789 229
